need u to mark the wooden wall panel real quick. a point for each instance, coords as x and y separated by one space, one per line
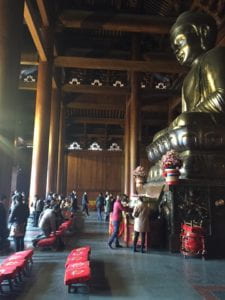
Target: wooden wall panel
94 172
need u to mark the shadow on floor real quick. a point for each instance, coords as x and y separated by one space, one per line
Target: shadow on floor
99 283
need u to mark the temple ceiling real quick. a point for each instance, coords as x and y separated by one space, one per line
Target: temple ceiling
94 57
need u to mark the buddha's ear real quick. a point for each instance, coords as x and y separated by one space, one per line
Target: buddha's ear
204 36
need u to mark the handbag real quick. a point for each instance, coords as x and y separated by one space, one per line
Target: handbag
17 230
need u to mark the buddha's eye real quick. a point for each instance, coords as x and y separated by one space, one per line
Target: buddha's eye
180 41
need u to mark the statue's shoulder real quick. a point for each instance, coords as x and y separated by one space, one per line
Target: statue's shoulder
216 53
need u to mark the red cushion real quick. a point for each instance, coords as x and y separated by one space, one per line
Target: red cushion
63 227
79 275
79 265
75 259
8 272
47 242
26 254
19 264
59 232
66 224
81 250
79 254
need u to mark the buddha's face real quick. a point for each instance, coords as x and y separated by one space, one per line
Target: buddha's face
186 44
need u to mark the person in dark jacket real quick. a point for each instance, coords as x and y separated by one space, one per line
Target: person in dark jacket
38 206
84 203
74 201
18 220
100 202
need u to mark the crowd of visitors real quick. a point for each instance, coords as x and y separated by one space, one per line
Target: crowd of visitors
49 213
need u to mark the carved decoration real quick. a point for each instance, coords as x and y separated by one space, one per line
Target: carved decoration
114 147
29 78
74 81
74 146
95 147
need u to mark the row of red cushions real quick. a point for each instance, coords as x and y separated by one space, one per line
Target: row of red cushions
78 266
15 263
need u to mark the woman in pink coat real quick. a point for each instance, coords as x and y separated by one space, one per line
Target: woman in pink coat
141 214
116 219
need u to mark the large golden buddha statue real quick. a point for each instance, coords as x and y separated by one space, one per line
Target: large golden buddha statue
198 133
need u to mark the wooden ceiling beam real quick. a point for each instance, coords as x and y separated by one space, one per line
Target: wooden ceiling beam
116 22
88 89
148 97
43 12
98 106
31 86
97 135
96 99
96 121
155 65
29 59
29 16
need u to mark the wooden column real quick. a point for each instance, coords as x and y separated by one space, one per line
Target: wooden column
53 142
60 171
41 130
127 150
11 22
134 117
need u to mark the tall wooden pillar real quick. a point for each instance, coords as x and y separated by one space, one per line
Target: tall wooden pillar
11 22
134 117
60 170
53 142
127 150
41 130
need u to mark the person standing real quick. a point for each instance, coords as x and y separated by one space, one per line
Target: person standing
74 201
116 220
108 200
18 220
100 201
84 203
38 208
141 214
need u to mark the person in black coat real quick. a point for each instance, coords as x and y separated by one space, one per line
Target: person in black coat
74 201
100 202
18 220
84 203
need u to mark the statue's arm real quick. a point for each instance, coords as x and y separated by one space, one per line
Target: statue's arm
215 102
213 71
